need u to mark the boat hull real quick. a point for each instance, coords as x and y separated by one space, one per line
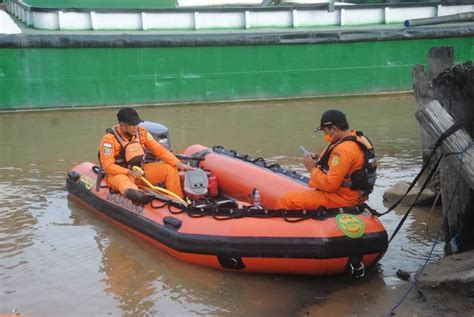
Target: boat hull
249 244
97 70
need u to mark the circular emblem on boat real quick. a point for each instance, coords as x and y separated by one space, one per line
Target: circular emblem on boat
351 225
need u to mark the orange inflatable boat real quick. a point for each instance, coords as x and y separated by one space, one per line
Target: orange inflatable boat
231 228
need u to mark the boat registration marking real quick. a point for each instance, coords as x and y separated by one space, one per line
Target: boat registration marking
126 203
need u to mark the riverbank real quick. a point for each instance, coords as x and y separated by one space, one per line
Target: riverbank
418 303
445 288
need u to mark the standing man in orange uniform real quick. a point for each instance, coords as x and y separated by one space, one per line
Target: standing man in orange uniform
123 146
342 175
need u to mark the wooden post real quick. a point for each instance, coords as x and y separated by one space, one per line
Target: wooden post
454 88
439 60
434 119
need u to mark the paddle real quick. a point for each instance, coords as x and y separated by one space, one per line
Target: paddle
159 189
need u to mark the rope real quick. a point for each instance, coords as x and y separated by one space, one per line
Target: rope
226 213
431 211
416 199
157 207
444 135
456 126
461 153
415 279
417 275
309 216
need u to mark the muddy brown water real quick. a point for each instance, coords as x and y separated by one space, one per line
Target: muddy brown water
57 258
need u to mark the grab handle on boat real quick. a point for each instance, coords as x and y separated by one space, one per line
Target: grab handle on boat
355 266
183 157
159 189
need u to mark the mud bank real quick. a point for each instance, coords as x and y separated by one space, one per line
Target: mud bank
445 288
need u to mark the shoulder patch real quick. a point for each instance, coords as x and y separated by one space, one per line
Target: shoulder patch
107 148
335 160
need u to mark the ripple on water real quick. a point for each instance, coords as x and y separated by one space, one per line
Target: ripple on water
17 230
24 195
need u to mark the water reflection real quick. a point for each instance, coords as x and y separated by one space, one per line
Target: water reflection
49 240
169 287
173 288
129 280
17 223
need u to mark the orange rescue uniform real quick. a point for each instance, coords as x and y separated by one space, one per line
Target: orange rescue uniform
346 157
156 172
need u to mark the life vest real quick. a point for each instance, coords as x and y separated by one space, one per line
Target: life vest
362 179
131 153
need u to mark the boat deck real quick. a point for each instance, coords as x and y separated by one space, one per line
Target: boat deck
31 38
102 4
142 17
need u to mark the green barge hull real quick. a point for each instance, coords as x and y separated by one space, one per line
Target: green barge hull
47 69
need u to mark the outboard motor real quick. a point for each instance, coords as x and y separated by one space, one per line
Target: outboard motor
196 184
160 133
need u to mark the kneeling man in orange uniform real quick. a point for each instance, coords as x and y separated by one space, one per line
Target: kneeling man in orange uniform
342 175
123 146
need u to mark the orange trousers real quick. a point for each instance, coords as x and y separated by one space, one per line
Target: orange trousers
309 199
155 173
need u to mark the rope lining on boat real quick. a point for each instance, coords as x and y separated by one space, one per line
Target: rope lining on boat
226 213
259 161
157 207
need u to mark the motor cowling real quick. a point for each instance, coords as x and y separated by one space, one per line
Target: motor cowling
160 133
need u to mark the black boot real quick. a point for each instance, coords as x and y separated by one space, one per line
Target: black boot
137 196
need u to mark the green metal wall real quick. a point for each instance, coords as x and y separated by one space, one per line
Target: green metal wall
45 78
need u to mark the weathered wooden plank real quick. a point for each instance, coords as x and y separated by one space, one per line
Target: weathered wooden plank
435 120
453 86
